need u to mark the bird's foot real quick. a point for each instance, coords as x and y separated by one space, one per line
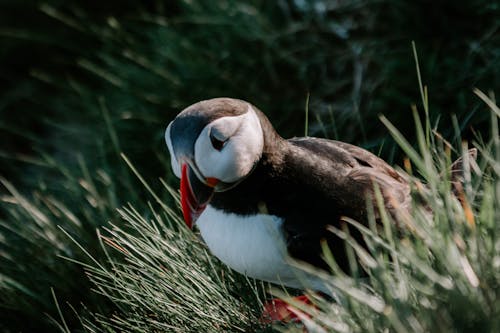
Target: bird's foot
280 310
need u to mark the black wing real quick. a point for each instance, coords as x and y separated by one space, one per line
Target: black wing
336 179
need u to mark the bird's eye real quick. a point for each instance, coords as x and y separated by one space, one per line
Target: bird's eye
217 143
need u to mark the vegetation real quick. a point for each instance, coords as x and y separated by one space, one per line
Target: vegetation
82 83
441 272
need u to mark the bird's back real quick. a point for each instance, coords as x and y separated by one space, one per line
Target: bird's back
311 184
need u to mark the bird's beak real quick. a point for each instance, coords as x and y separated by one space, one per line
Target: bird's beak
195 194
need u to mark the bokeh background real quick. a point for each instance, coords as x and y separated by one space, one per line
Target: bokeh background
82 81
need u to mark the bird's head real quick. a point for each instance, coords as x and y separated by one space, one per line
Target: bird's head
213 145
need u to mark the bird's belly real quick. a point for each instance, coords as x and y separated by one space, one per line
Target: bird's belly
252 245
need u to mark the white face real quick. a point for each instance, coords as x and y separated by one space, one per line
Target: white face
227 148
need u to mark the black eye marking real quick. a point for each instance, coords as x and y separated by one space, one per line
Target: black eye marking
216 143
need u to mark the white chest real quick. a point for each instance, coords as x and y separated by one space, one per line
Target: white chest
251 245
254 246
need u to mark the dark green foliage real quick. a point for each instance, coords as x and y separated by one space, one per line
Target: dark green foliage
150 61
82 81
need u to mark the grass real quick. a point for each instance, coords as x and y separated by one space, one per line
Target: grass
165 281
438 272
441 272
147 62
150 273
94 80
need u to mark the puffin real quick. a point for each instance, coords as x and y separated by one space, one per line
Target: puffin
262 203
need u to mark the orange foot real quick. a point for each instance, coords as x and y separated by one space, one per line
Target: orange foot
279 310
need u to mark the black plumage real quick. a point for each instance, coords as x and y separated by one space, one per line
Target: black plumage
311 183
308 183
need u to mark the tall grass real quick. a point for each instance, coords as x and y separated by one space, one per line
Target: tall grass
83 81
147 272
437 271
149 60
167 281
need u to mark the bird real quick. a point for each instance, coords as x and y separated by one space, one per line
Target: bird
262 203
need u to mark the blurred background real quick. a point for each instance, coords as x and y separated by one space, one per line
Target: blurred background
82 81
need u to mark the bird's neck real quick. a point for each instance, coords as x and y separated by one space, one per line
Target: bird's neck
247 197
273 150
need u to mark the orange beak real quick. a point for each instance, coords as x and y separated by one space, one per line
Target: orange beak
195 195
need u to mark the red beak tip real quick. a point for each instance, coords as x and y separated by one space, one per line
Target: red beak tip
191 207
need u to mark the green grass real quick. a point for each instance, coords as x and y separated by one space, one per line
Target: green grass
148 62
83 82
166 280
441 273
437 272
148 272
